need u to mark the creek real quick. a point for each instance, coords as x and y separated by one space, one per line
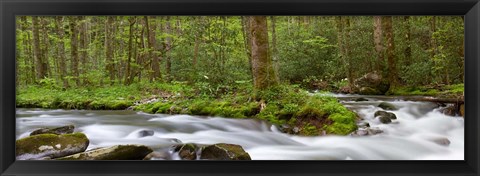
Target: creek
420 132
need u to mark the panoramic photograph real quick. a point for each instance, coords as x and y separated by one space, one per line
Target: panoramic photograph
240 88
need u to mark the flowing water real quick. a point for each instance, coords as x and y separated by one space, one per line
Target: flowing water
420 132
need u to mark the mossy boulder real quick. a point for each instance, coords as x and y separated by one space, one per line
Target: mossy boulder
50 145
58 131
117 152
222 151
387 106
371 84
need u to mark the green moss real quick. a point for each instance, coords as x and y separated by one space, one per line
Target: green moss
448 90
310 130
31 144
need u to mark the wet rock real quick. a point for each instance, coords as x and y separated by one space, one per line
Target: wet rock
368 91
188 151
462 110
387 106
442 141
224 151
117 152
145 133
50 145
374 131
385 114
361 99
360 132
449 110
363 125
157 156
367 132
384 119
58 131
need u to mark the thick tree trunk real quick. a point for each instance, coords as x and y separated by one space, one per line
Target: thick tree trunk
263 72
392 71
378 40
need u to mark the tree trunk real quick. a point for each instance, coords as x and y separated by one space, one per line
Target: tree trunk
74 49
168 47
39 56
45 46
378 40
274 48
128 74
408 49
346 47
263 72
247 39
61 50
83 50
151 28
392 71
109 36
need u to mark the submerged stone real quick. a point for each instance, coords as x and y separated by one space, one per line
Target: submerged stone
385 119
224 151
50 145
145 133
361 99
385 114
58 131
117 152
387 106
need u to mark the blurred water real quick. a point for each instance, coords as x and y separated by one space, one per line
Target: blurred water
411 137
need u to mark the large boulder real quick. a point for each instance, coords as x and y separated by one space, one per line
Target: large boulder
45 146
371 84
117 152
224 151
58 131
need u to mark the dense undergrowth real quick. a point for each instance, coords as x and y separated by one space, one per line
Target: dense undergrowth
285 105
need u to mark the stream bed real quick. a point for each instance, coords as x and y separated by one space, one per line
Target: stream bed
420 132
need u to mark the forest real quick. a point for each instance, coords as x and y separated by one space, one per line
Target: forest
236 66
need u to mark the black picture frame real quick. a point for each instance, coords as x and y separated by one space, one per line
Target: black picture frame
10 8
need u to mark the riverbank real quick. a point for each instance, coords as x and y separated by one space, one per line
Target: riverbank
287 106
